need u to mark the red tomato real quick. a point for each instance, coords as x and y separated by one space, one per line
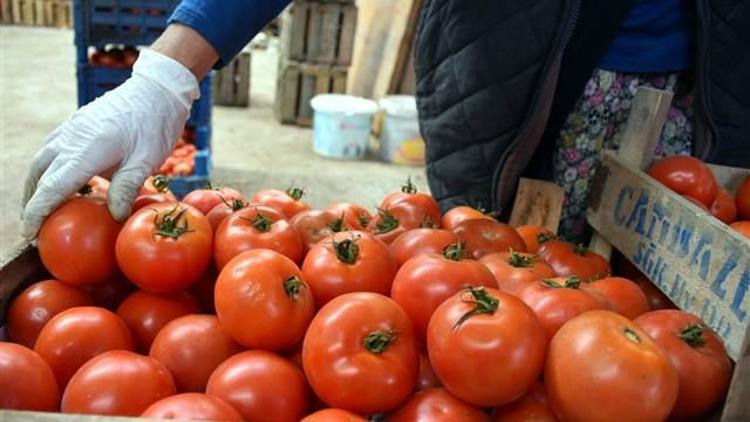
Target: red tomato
484 237
356 217
534 406
604 359
486 346
348 262
419 241
687 176
262 386
36 305
724 207
204 200
192 347
77 241
742 199
743 227
223 210
656 299
76 335
148 200
165 248
619 295
256 227
360 353
702 364
117 382
289 202
697 203
147 313
568 260
111 293
426 281
394 221
192 406
429 211
426 377
158 184
437 405
28 382
280 306
534 236
457 215
315 225
333 415
514 269
555 301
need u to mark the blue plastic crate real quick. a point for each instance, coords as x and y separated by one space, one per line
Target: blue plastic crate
94 81
131 22
181 186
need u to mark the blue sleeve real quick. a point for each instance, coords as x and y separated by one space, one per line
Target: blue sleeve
228 25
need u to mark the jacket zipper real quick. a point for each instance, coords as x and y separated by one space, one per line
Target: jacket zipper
553 68
703 142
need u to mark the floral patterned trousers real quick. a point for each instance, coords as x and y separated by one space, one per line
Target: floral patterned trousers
597 122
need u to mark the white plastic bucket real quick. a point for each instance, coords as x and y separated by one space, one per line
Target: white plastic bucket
342 125
400 140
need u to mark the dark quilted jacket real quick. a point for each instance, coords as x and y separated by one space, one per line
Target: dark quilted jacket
496 78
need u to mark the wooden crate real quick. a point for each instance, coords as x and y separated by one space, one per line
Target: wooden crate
297 83
232 83
318 32
38 12
695 259
58 13
6 14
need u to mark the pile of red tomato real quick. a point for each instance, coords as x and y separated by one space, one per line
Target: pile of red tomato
222 307
695 181
182 160
114 57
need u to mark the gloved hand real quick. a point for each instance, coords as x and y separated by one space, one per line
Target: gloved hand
130 130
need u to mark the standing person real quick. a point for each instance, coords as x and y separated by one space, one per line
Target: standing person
504 89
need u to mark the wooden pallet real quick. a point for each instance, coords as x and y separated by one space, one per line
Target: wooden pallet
318 32
59 13
696 260
297 83
232 83
56 13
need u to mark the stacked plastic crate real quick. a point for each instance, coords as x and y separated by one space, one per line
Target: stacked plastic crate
106 26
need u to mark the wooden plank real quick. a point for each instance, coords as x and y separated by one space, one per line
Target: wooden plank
22 266
287 93
643 128
737 405
24 416
293 35
15 10
6 15
696 260
38 18
397 47
728 177
345 47
232 84
323 32
338 85
369 44
244 67
537 202
27 12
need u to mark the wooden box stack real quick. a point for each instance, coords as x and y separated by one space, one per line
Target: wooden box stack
317 40
57 13
232 83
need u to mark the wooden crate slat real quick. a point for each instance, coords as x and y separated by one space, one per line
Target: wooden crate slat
318 32
6 15
345 46
294 31
323 32
299 82
287 89
537 202
698 261
232 84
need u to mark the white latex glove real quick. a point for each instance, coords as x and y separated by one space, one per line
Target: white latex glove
131 130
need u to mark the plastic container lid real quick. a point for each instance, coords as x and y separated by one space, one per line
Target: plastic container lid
345 104
400 105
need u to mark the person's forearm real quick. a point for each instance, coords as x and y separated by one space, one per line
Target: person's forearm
188 47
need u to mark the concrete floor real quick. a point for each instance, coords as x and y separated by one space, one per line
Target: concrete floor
251 150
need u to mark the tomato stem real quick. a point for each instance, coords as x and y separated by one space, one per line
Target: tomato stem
388 222
235 204
631 335
85 190
170 223
337 225
346 250
293 285
570 283
378 341
519 261
427 223
161 183
692 334
545 237
364 221
295 193
260 222
455 251
580 250
484 304
409 187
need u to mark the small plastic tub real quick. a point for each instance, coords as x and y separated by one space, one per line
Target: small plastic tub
342 125
400 140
